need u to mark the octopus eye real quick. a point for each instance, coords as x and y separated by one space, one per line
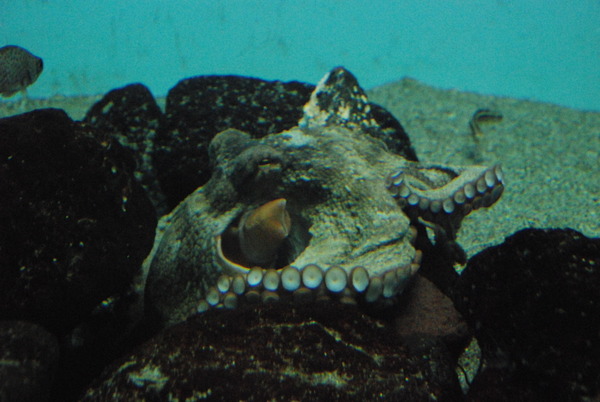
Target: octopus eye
266 168
257 168
266 162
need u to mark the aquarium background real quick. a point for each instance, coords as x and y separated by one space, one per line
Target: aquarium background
547 50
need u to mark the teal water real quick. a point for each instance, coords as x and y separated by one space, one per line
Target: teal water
547 50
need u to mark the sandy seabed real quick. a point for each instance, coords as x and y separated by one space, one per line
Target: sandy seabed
549 154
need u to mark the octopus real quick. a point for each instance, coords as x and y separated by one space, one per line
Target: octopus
323 211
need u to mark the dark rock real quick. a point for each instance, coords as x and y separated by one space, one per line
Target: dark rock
76 225
392 133
501 384
198 108
278 352
533 305
110 331
132 116
426 317
28 358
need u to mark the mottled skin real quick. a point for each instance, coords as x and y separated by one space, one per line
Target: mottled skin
335 178
18 69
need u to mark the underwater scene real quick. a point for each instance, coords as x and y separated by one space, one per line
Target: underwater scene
300 201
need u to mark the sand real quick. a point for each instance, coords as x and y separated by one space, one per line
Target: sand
550 154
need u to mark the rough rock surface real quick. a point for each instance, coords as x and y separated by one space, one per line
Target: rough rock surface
75 223
533 305
198 108
132 116
28 360
427 317
327 351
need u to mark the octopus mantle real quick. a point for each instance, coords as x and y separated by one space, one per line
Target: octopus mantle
352 204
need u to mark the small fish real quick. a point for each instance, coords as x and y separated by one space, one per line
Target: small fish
483 116
18 69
